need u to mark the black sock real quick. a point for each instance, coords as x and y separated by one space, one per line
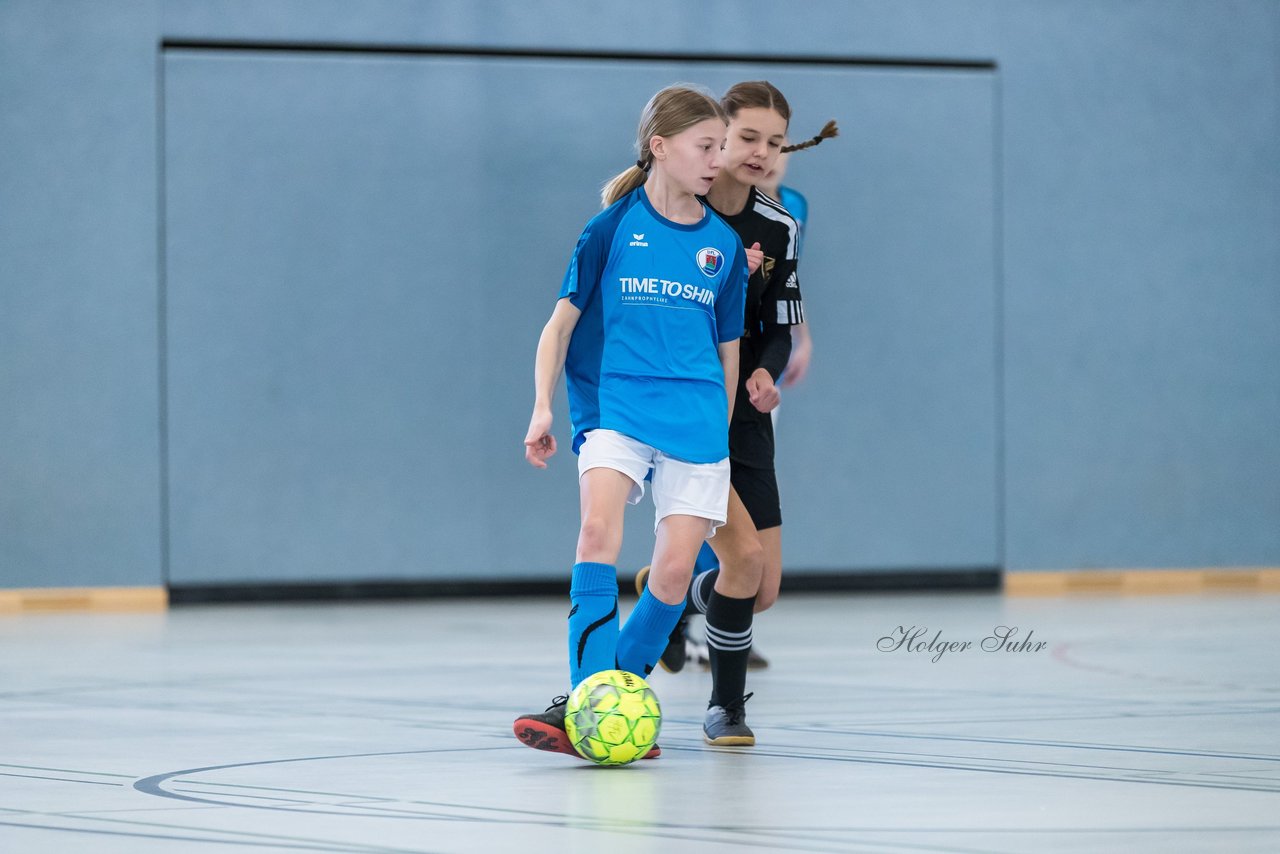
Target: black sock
728 645
700 591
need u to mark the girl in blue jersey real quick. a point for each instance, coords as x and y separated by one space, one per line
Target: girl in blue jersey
646 331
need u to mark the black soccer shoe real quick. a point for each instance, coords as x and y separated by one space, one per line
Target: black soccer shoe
726 726
545 731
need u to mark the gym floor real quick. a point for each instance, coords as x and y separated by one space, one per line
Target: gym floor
1109 723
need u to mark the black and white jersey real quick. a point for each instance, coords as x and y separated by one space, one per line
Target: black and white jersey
774 303
773 307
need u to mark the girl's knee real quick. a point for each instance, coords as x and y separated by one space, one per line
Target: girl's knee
741 573
670 581
597 540
744 553
752 560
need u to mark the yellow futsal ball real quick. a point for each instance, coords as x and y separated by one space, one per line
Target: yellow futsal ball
613 717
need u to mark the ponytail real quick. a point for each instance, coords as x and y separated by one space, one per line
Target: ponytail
828 130
622 183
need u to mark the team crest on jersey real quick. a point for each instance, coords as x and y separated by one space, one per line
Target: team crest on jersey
710 260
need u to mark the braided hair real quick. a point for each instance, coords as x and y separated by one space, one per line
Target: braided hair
828 130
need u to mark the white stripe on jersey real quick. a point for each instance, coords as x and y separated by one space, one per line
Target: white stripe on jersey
770 209
790 312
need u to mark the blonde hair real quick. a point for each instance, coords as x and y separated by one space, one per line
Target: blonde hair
670 111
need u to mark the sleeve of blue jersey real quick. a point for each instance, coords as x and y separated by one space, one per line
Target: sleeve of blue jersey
583 275
589 258
798 206
731 303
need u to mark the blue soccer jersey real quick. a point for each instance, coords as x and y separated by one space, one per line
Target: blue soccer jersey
798 206
656 297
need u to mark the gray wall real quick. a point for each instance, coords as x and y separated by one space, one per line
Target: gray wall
250 330
79 408
1142 283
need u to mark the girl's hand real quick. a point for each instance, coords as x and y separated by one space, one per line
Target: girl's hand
755 257
761 391
539 444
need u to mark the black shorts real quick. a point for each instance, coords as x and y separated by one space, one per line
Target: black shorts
758 489
751 468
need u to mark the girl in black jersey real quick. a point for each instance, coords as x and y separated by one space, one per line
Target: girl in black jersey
749 546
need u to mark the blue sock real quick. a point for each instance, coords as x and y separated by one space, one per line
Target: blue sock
593 620
706 559
645 635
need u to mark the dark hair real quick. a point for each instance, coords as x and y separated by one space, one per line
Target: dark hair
828 130
756 93
763 94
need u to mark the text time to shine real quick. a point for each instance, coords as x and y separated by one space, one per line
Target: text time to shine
667 288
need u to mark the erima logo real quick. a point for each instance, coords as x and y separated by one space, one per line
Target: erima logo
710 260
638 240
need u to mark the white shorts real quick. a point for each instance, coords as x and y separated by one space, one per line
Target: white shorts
679 488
